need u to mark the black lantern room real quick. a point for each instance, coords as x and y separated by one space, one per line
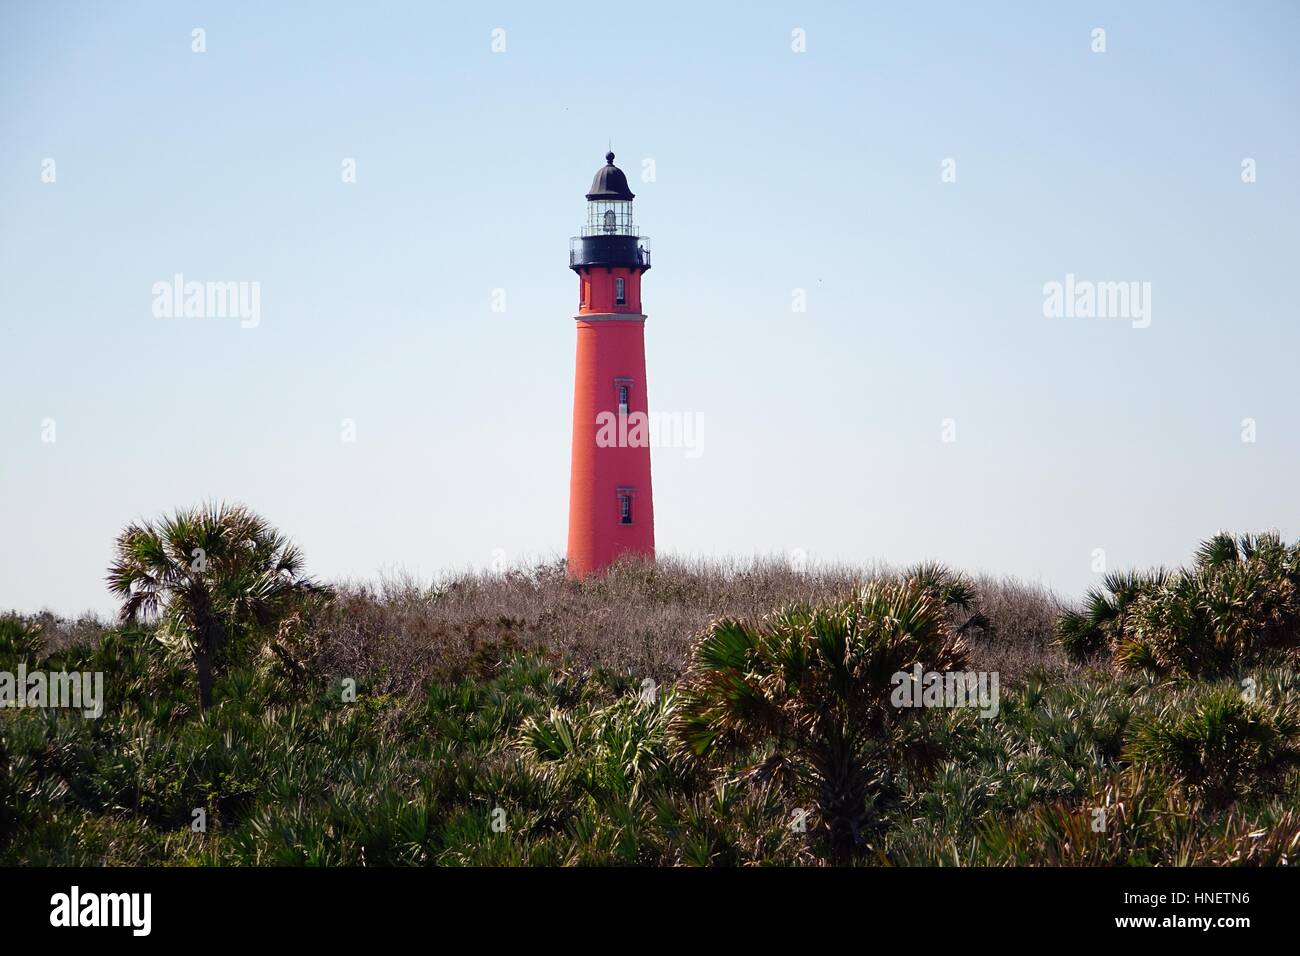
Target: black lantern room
609 237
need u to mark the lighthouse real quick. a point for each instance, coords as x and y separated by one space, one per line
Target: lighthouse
611 509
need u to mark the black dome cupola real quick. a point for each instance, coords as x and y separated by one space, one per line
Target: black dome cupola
609 183
610 237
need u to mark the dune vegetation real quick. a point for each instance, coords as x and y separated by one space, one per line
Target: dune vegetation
673 713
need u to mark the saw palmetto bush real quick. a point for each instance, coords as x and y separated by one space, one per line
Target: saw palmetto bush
1238 604
213 576
1094 769
1220 745
20 639
1102 621
1131 818
802 698
622 748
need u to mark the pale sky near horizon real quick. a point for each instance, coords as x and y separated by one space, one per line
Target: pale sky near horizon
773 171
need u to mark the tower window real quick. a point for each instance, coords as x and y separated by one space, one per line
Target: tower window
620 292
624 509
622 399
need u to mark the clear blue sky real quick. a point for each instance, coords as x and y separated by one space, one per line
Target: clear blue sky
775 170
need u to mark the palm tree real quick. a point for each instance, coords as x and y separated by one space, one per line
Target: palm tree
1237 604
804 696
1267 548
208 574
1086 633
1239 600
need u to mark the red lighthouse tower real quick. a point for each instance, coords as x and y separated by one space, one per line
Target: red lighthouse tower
611 511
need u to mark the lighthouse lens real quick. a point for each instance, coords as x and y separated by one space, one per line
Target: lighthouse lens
609 218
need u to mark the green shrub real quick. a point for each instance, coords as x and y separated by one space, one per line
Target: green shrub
1220 746
1090 632
803 697
20 640
1237 605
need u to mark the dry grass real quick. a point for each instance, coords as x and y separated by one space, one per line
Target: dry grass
1022 638
639 618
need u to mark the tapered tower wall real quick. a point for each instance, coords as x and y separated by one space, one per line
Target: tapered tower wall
610 357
